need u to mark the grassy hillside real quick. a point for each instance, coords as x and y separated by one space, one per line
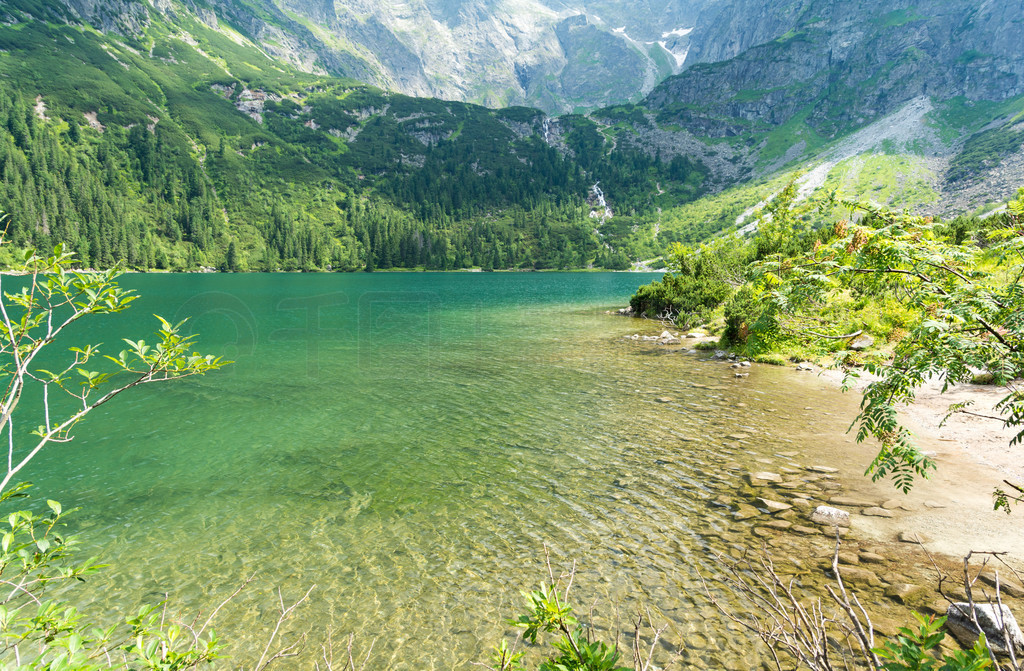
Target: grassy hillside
171 144
181 146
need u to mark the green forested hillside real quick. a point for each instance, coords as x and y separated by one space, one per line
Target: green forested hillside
171 142
184 146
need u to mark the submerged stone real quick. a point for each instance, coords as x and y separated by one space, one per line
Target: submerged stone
903 592
774 506
807 531
852 502
912 537
1004 587
872 558
745 512
860 576
762 477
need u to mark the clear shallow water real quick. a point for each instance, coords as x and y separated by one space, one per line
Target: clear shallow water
410 443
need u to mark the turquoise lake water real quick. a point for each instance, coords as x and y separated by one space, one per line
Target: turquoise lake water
411 444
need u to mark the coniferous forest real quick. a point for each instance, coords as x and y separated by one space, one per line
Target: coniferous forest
153 152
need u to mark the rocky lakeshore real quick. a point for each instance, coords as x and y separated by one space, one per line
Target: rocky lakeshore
901 552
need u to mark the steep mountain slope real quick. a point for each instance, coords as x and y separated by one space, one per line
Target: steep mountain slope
179 135
798 77
176 144
559 56
837 65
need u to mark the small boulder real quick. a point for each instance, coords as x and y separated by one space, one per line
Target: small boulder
694 335
871 558
912 537
761 477
992 618
804 366
773 506
848 558
983 378
822 469
902 592
862 342
663 399
831 516
877 512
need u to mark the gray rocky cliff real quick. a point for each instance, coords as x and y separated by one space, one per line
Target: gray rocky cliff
841 64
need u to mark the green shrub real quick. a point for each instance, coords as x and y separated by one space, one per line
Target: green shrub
689 301
741 311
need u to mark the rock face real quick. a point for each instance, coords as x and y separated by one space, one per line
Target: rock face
853 61
543 53
990 617
741 61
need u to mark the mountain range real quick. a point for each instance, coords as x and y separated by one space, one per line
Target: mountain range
270 134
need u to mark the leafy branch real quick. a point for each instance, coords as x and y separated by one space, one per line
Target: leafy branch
968 319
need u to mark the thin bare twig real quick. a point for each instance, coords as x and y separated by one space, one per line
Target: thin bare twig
285 612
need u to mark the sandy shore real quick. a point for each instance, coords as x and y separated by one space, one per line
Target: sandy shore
954 507
984 441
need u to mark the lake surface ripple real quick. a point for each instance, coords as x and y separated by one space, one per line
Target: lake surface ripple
410 444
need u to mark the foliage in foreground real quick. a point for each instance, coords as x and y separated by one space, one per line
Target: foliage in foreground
826 634
969 305
40 408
